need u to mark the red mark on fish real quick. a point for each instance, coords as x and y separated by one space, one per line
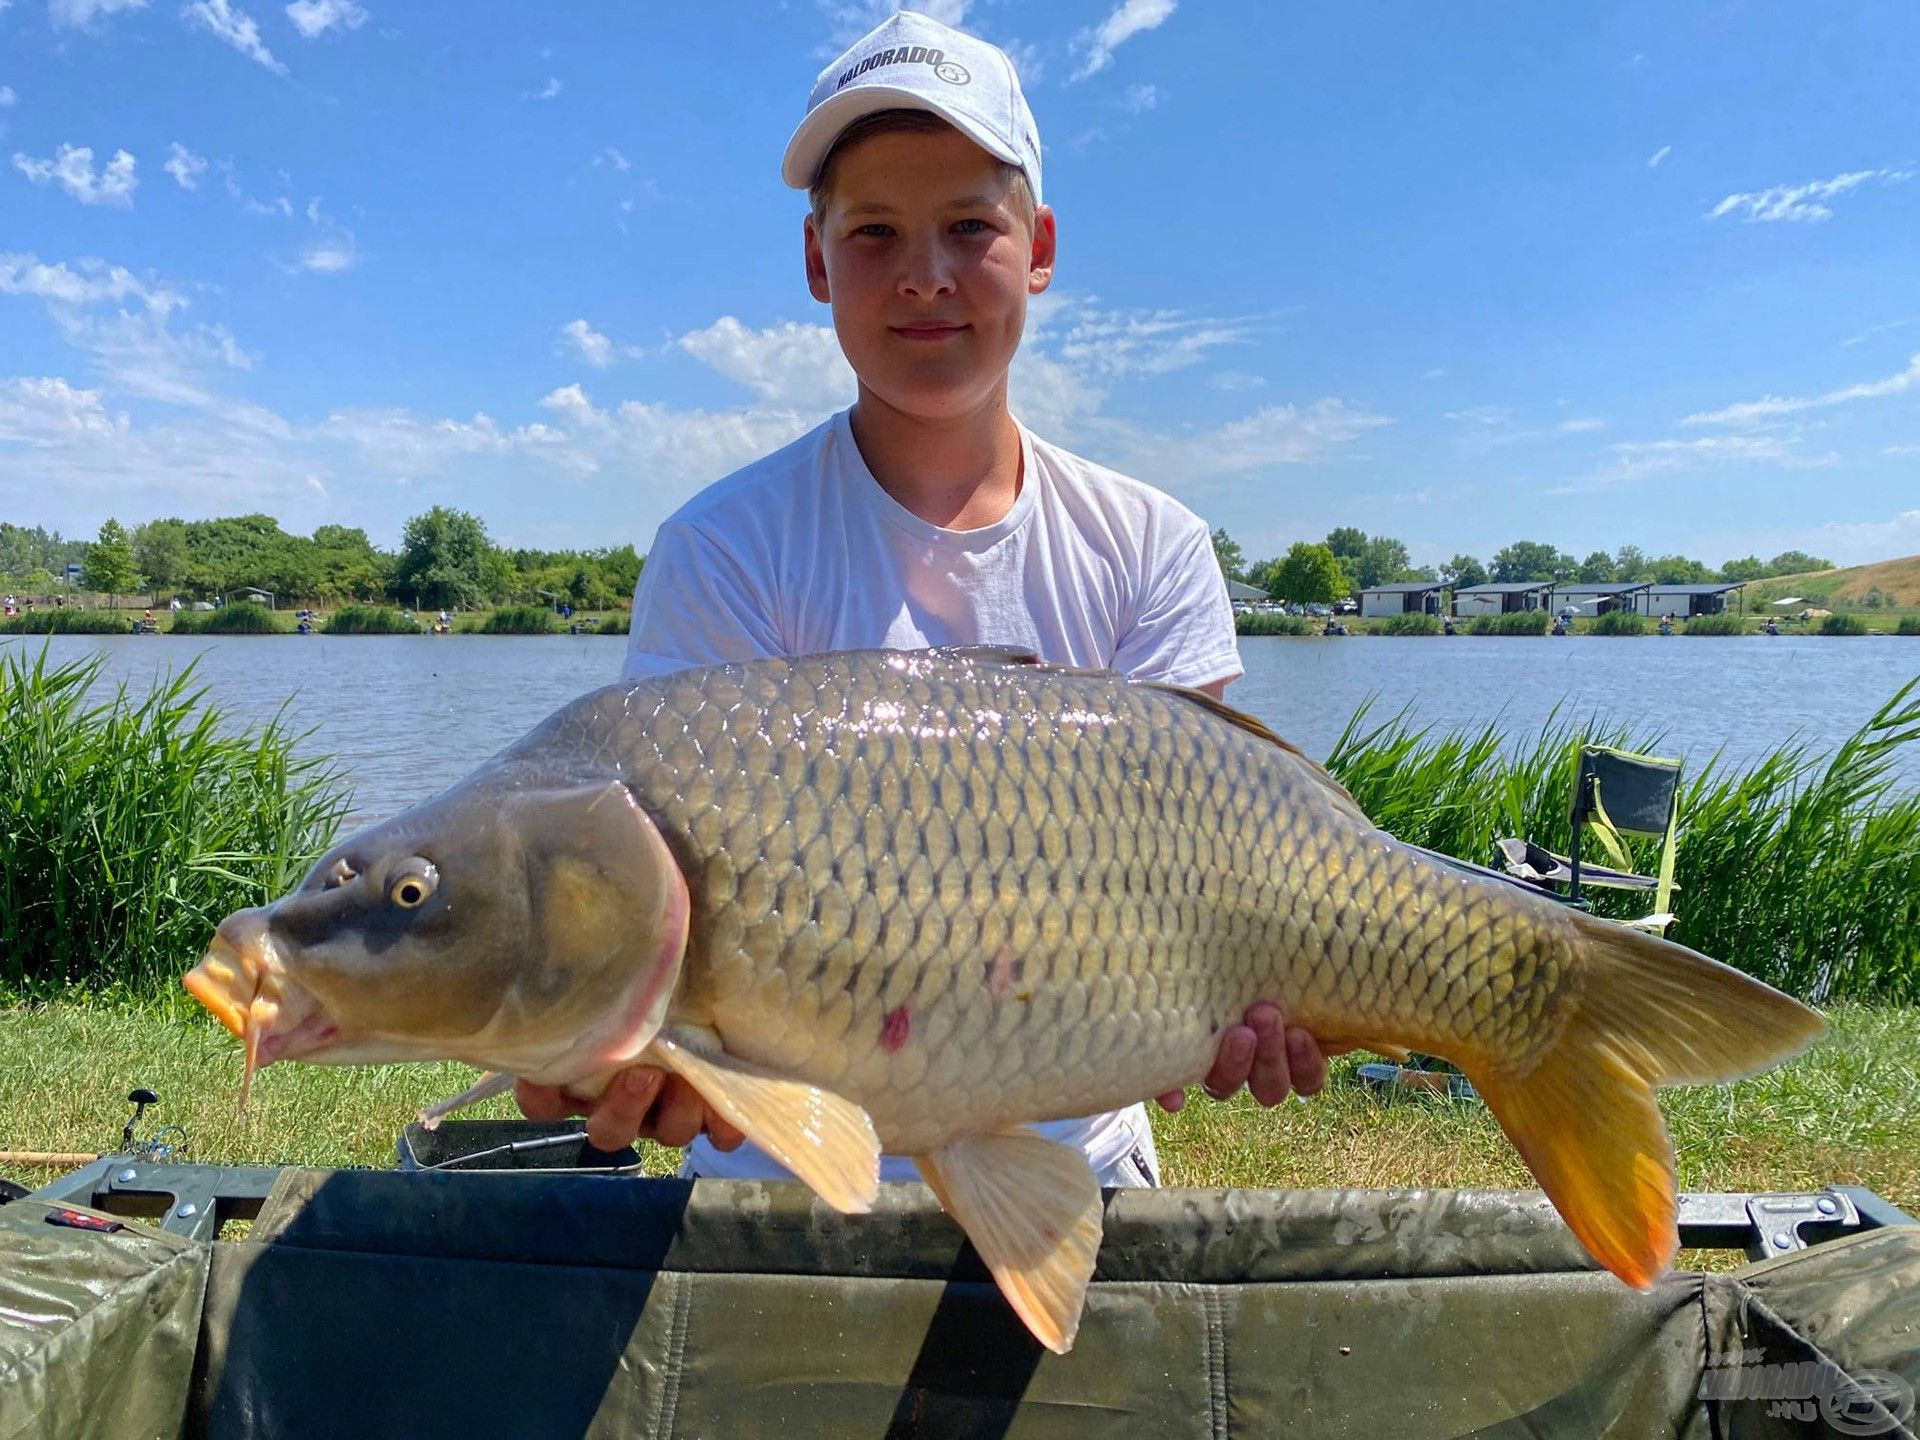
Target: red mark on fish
1000 974
894 1029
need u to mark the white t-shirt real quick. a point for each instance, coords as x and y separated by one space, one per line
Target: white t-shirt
802 551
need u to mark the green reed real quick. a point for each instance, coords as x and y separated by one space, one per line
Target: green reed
1842 623
1514 622
67 622
370 620
131 825
1715 625
1801 869
236 617
1415 623
1616 622
515 620
1272 622
1909 625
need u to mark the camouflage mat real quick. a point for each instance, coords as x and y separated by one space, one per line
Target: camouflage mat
472 1305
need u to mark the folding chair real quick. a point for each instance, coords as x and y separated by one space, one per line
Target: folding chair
1615 794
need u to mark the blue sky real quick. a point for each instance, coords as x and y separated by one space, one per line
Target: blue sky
1621 273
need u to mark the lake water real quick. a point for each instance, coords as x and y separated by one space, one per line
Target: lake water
406 715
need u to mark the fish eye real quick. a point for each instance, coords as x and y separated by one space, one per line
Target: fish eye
412 889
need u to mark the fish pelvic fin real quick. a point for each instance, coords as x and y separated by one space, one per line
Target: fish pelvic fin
1031 1207
824 1139
490 1083
1649 1013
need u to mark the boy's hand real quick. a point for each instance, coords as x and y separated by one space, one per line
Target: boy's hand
643 1102
1268 1056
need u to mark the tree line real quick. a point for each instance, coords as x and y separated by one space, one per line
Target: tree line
446 560
1349 560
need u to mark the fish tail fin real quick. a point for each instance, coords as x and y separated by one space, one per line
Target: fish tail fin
1648 1013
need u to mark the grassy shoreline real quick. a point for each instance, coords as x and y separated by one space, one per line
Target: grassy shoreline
1845 1112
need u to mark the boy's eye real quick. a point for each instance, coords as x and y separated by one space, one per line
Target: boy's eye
971 227
875 230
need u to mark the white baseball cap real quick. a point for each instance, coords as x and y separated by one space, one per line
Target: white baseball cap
912 62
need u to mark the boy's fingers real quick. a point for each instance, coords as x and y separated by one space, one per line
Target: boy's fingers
542 1102
1270 1077
1172 1101
1306 1061
681 1115
1231 1062
722 1134
616 1117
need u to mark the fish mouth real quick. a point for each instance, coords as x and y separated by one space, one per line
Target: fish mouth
241 982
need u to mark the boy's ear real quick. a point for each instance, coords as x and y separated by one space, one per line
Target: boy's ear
1045 239
816 261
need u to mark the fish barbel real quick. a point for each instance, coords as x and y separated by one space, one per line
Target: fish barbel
914 900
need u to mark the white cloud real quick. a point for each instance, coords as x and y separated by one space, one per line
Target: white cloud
1801 202
72 168
593 347
1435 373
792 367
84 282
1480 415
1129 18
1901 450
1881 329
553 88
1750 412
1120 342
1636 459
1653 160
1141 98
850 19
1581 425
610 156
7 97
47 411
328 257
236 27
184 166
1029 61
71 14
313 18
1861 542
1235 380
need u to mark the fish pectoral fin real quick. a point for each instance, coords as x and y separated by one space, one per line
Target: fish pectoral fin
823 1138
1031 1207
490 1084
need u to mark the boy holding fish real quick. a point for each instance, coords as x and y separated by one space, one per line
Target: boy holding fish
926 514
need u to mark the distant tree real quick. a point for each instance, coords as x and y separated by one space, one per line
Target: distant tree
1309 575
109 564
1262 573
1796 562
1630 563
447 560
1680 570
1750 567
1347 542
1381 561
1597 568
1462 571
160 550
1233 561
1530 560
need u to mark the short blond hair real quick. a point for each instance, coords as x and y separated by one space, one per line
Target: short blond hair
906 122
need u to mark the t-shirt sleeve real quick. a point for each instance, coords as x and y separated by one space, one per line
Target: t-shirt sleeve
696 604
1183 633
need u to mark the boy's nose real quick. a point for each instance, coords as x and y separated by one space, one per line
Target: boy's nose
927 273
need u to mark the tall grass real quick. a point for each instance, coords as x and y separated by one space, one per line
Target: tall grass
1514 622
369 620
615 624
516 620
1802 871
67 622
1618 622
1909 625
1413 623
130 826
1715 625
236 617
1272 622
1842 624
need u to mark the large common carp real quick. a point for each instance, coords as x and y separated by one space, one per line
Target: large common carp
912 900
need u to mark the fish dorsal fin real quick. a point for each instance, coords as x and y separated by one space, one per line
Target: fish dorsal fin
1338 793
1031 1207
823 1138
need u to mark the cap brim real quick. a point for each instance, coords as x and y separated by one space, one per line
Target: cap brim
815 137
